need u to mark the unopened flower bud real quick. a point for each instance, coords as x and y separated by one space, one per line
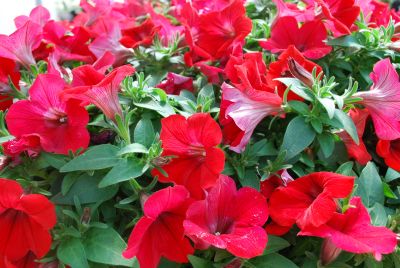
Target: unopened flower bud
329 252
160 161
85 219
300 73
143 198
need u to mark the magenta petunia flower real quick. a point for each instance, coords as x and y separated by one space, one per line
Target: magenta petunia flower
19 45
60 125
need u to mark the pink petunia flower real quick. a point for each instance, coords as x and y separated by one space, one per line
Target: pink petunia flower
383 100
60 125
104 94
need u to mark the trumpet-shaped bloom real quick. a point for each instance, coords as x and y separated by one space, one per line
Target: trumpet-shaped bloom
229 219
291 10
139 35
159 233
247 108
212 36
309 200
20 44
25 221
339 15
308 39
352 231
175 83
383 100
357 152
193 141
390 151
104 94
8 71
60 125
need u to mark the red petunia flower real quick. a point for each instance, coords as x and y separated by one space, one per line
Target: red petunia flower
8 71
212 36
280 68
383 100
104 94
229 219
25 143
357 152
159 233
309 200
193 141
60 125
292 10
175 83
247 108
248 71
25 221
20 44
353 232
339 15
139 35
390 152
268 186
308 39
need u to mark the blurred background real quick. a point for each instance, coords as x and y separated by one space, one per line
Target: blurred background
59 9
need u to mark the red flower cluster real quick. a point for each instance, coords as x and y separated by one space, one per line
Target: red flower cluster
25 221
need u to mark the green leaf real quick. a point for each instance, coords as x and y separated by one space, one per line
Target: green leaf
391 175
263 148
378 215
296 86
133 148
275 244
72 252
388 192
125 170
54 160
86 190
106 246
345 41
298 136
272 260
347 124
197 262
370 186
329 106
163 109
68 181
300 107
97 157
346 169
327 143
144 132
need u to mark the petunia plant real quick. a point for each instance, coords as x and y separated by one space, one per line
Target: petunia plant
227 134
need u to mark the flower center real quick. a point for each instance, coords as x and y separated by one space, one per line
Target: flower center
55 117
